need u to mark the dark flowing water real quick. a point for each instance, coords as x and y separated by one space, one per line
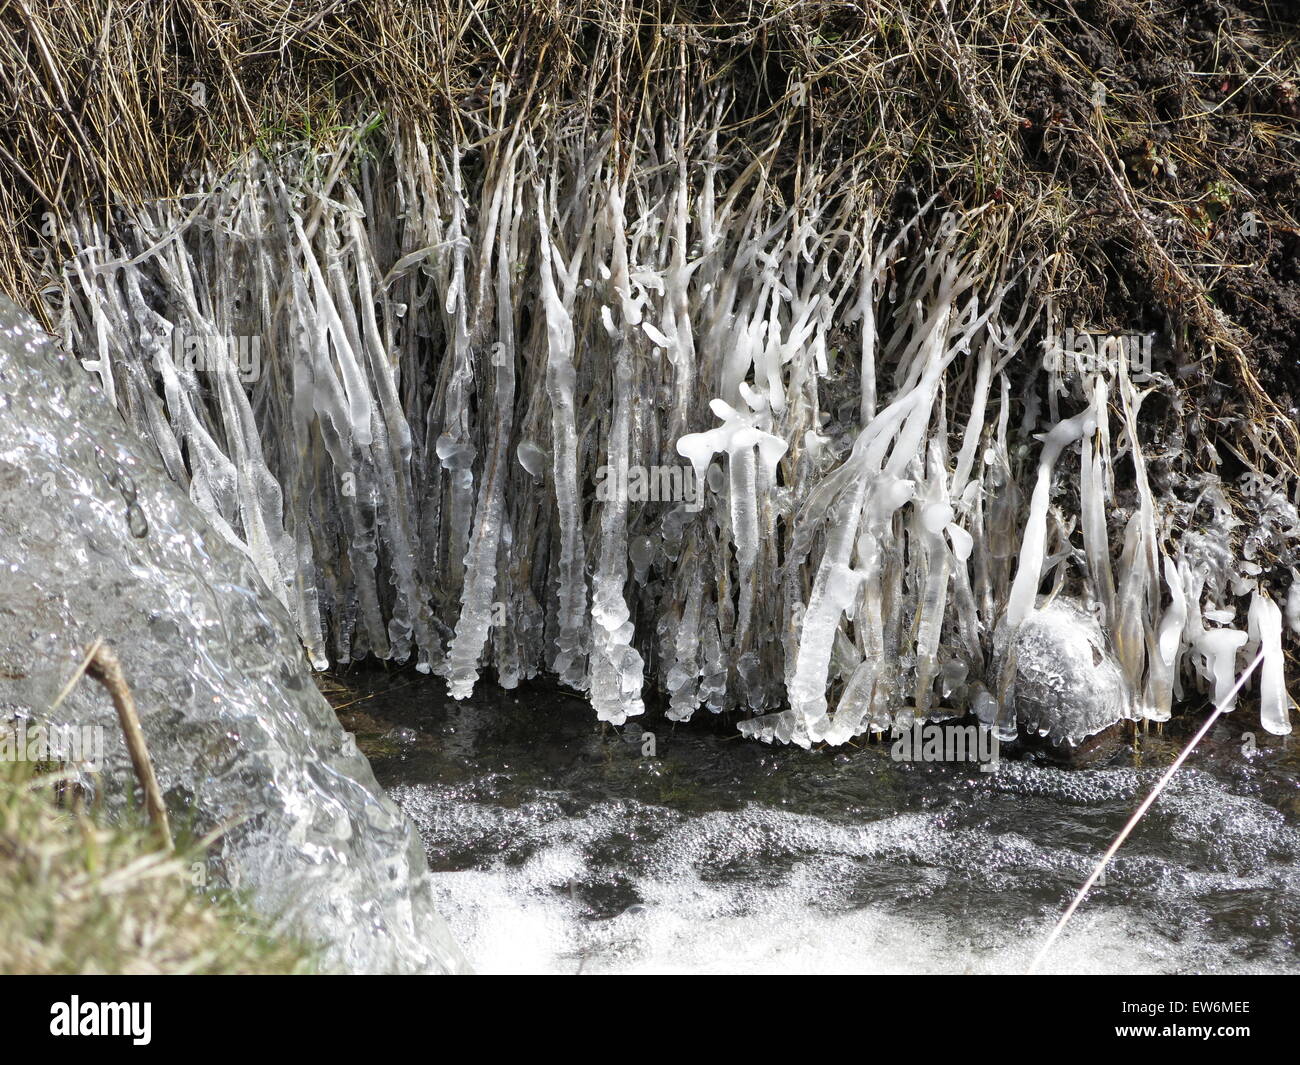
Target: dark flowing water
558 846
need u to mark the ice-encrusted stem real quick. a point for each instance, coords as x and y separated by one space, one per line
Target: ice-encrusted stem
935 515
363 471
461 667
1092 510
561 382
455 448
1274 700
1163 655
1220 647
1024 590
616 673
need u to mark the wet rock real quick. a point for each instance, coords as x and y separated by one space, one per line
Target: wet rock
97 542
1069 691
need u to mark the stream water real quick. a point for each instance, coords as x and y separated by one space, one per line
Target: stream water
557 846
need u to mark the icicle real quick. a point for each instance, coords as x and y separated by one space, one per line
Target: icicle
1274 701
561 382
935 515
461 667
441 383
1029 570
617 668
1220 646
1092 508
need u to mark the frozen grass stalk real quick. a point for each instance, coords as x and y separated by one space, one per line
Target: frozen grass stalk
633 412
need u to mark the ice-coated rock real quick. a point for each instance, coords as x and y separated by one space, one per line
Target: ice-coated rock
1068 684
97 542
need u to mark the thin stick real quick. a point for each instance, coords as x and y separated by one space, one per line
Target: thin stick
1137 814
106 669
91 651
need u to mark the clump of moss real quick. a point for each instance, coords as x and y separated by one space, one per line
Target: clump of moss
83 896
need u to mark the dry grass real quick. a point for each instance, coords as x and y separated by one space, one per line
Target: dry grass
1136 199
80 897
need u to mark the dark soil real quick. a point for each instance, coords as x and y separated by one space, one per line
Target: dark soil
1205 135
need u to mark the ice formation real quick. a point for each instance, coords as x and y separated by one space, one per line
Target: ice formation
1068 684
243 744
459 338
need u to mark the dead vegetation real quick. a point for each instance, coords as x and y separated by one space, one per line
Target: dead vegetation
82 897
1145 151
1150 147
